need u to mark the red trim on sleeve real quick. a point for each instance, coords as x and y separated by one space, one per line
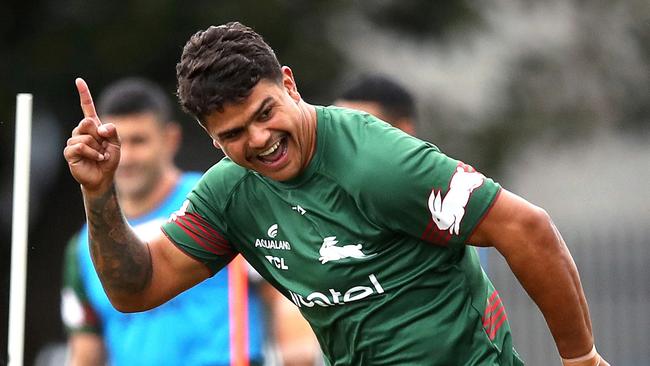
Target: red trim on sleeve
434 235
199 230
204 224
485 214
190 255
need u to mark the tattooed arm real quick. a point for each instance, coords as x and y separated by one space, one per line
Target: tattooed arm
121 260
135 275
125 264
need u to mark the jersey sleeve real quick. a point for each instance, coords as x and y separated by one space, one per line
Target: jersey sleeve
77 312
419 190
198 229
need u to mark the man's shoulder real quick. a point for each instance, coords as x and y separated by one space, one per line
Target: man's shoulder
347 119
72 246
363 130
365 145
77 239
225 172
77 256
221 180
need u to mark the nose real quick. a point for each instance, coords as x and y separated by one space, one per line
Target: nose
258 136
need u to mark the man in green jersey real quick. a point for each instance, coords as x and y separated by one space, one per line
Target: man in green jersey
365 228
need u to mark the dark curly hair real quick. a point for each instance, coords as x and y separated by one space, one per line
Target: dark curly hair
220 65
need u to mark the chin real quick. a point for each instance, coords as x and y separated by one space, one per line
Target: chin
282 176
128 188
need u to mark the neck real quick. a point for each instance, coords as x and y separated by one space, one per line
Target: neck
309 114
133 206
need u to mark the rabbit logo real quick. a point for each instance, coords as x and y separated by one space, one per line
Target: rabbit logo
180 212
448 212
330 252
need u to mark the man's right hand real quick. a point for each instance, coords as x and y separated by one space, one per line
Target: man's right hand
93 151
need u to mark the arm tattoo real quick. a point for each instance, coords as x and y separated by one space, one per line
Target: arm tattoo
121 259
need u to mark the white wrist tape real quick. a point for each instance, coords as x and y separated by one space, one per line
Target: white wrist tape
586 357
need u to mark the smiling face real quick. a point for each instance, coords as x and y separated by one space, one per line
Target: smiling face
272 131
147 149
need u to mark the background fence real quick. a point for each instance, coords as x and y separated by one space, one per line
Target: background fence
613 260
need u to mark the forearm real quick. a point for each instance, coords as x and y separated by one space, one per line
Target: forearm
548 273
527 238
121 259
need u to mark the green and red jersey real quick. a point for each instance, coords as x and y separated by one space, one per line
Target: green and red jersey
369 242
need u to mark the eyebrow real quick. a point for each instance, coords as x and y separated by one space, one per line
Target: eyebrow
254 115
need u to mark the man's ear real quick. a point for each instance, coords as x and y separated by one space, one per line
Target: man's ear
289 83
173 135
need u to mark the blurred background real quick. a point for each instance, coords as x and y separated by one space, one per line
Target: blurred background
551 98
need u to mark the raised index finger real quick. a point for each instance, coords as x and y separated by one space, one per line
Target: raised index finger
87 105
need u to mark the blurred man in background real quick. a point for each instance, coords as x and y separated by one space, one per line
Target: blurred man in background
382 97
198 327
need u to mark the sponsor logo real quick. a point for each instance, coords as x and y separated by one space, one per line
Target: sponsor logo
272 244
272 231
277 262
448 212
336 297
299 209
330 252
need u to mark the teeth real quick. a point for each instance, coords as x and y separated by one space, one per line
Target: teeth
271 150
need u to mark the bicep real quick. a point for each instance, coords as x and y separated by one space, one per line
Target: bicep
512 225
527 239
173 271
